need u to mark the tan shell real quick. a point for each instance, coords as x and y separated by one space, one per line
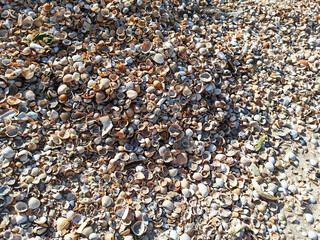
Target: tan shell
62 224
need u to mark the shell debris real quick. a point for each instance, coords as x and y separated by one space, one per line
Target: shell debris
159 119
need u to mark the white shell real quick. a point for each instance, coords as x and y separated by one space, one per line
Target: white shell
8 152
185 237
131 94
106 201
106 125
309 218
203 189
20 219
158 58
34 203
167 204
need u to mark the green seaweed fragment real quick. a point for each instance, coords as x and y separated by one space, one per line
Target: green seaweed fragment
45 37
260 143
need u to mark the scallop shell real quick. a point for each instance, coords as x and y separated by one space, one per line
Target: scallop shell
138 228
21 207
62 224
34 203
146 47
13 100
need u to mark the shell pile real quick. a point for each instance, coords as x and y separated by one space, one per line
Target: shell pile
140 119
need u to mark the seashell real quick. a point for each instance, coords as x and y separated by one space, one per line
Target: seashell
131 94
63 134
40 230
13 100
8 152
106 201
105 12
158 58
5 190
21 219
26 51
203 189
75 218
21 207
41 220
86 231
67 78
3 33
106 125
62 224
168 205
34 203
11 74
138 228
27 22
5 14
184 236
29 95
146 47
121 31
36 46
181 159
205 77
109 236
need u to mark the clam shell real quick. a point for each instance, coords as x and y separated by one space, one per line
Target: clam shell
203 189
158 58
8 152
205 77
131 94
34 203
21 207
146 47
21 219
62 224
27 22
138 228
3 33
